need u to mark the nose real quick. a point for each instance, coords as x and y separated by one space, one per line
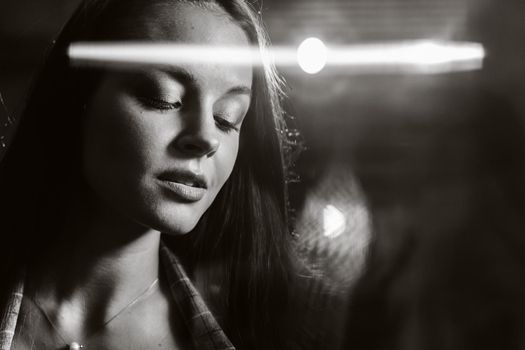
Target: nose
199 137
198 144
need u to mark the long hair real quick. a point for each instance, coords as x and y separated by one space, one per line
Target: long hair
241 244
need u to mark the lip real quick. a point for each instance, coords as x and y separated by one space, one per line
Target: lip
185 192
186 185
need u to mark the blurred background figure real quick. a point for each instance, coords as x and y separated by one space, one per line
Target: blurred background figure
409 192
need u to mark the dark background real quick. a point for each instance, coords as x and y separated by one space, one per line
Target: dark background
427 169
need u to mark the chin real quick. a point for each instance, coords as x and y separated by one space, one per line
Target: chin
174 221
176 230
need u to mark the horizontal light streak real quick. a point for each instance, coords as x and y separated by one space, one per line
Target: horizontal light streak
407 56
417 56
95 54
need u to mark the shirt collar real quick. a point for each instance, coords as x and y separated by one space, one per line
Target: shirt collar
204 329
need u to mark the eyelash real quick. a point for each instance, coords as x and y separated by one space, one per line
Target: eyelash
161 104
222 123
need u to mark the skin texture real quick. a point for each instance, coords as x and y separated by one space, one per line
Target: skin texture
142 124
109 242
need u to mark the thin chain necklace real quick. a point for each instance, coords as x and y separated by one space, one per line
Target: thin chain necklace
76 345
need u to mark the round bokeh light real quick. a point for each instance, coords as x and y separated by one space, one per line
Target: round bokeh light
311 55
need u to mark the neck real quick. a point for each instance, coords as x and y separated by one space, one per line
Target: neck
101 261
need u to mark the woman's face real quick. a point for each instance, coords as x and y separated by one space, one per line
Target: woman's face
160 143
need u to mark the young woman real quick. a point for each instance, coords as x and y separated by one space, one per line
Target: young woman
146 208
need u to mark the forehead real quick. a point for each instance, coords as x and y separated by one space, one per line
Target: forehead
206 24
187 22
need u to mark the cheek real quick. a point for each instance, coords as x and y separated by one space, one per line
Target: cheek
117 146
227 160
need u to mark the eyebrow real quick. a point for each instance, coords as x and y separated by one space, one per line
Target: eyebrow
240 90
183 75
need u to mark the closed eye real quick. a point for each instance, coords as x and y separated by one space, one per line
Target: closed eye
160 104
224 125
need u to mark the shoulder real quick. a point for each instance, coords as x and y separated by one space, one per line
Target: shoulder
12 295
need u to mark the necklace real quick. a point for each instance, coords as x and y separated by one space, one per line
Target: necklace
76 345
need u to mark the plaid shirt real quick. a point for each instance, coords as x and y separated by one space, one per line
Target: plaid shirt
202 326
